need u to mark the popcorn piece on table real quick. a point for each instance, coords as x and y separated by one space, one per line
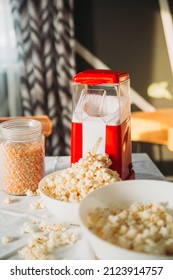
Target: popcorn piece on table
41 244
37 205
8 200
31 193
27 228
7 239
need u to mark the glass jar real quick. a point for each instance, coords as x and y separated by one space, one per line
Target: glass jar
21 155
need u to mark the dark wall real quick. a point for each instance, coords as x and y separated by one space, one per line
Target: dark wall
128 36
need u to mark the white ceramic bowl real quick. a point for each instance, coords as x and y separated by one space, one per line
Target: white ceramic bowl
65 212
126 192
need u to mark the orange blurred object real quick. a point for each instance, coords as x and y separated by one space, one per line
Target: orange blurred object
153 127
47 125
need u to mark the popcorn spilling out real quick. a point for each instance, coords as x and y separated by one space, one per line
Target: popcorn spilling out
146 228
89 173
42 244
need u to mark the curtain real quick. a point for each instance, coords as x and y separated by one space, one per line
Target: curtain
9 72
45 42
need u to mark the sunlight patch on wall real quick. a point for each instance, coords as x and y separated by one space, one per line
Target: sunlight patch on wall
159 90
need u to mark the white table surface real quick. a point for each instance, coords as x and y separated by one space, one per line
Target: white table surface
14 215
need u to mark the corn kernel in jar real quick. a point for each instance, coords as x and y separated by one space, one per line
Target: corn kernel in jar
21 156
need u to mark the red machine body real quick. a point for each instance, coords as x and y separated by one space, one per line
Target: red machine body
101 108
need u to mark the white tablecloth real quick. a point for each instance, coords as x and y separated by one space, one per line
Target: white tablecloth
14 215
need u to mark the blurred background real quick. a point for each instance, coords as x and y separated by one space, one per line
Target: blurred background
44 43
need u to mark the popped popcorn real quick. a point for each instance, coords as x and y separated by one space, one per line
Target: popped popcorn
142 227
89 173
8 200
37 205
41 244
31 193
7 239
26 228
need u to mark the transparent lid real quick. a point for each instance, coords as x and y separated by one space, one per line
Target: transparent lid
101 103
20 130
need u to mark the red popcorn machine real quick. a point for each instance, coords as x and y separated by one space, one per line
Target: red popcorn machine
101 109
